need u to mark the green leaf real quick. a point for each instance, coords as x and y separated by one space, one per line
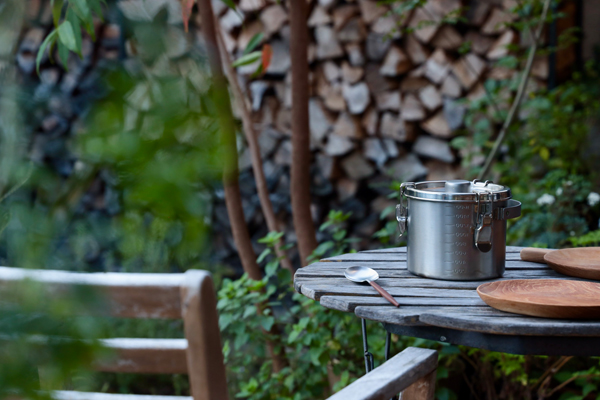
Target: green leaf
67 36
50 39
323 247
293 336
255 41
247 59
262 255
82 10
339 235
72 18
63 54
267 323
57 6
229 3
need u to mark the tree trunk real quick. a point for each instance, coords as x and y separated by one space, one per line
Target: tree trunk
300 180
257 166
233 198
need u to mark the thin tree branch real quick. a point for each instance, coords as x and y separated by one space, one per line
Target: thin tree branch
300 174
233 199
252 139
520 92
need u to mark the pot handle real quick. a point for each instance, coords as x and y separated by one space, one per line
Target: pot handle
512 210
402 208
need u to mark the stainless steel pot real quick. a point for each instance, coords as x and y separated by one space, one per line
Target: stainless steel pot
456 230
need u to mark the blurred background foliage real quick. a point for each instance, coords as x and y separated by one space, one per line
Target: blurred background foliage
149 132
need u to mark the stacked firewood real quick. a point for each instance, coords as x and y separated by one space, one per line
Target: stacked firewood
385 87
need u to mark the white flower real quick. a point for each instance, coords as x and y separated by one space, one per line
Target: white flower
545 199
568 183
559 191
593 199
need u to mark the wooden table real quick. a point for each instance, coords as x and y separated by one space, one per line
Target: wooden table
446 311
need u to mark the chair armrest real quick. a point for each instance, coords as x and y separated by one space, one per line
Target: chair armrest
392 377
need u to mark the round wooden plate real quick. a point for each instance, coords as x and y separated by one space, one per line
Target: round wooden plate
582 262
549 298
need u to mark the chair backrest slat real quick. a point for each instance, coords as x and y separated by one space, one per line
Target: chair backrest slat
145 356
129 295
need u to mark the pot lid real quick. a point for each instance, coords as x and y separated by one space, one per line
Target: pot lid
456 190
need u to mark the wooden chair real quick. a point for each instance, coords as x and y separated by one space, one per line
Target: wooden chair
191 297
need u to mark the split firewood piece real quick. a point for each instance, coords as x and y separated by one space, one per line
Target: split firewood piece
318 17
320 121
430 97
451 87
411 108
394 127
346 188
468 69
333 98
395 63
283 120
331 71
343 14
377 46
353 31
327 44
231 20
442 8
357 97
435 148
356 167
327 4
348 126
539 68
370 121
355 54
387 25
437 66
229 41
328 166
477 12
437 125
417 53
477 93
500 47
454 113
248 32
351 74
425 21
373 150
441 171
480 44
273 18
496 22
447 38
377 82
371 11
338 145
413 84
500 73
251 5
388 101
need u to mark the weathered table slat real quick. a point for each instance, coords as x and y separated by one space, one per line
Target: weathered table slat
381 265
509 249
383 257
430 306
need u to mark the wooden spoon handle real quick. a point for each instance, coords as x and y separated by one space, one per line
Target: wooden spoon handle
384 293
534 255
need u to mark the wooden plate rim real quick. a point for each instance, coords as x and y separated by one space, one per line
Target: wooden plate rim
552 263
482 295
